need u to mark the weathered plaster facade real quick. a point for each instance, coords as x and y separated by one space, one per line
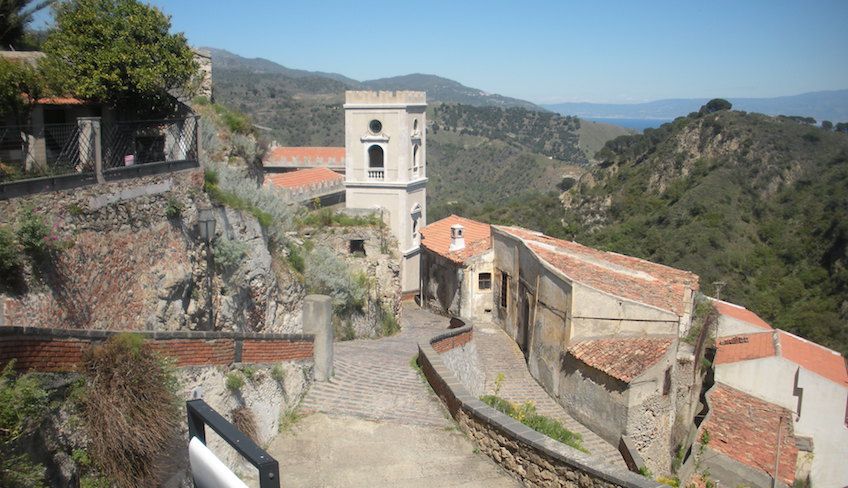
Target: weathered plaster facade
454 289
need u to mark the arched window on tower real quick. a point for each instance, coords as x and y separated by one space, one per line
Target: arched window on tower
375 156
415 164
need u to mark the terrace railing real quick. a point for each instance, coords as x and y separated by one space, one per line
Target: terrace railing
35 158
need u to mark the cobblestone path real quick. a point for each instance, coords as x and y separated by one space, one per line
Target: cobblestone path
500 354
375 380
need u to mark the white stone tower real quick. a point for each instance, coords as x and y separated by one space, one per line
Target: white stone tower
385 165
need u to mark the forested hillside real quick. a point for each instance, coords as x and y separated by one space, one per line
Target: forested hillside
758 202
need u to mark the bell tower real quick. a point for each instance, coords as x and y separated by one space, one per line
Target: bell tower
385 165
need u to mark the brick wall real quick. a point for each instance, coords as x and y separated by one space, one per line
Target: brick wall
56 350
449 340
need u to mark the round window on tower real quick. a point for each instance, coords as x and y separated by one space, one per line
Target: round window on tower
376 126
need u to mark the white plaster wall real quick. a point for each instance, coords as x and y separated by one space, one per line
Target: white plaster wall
595 400
770 379
597 313
475 301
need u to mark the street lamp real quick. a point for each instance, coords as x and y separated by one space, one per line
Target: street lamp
206 226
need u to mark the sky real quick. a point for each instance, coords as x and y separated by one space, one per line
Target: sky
545 51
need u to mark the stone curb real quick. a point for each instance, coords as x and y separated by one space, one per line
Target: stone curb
456 397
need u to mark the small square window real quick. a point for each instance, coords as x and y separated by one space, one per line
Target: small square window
484 281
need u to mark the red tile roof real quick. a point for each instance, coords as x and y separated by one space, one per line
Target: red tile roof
60 101
632 278
303 178
744 347
809 355
814 357
306 153
437 236
744 428
741 313
622 358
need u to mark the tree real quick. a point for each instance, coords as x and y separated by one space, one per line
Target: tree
842 127
119 52
715 105
20 85
827 125
15 15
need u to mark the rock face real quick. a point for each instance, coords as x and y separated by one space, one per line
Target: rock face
133 260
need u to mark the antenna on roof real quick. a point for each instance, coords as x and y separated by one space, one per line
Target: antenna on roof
718 286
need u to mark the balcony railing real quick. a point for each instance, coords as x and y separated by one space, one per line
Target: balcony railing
376 174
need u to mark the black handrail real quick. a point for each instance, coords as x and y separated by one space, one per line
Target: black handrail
200 414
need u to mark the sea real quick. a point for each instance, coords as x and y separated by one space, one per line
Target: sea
635 124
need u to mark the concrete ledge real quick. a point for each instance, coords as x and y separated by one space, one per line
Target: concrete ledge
532 457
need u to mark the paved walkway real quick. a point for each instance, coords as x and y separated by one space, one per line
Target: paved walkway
500 354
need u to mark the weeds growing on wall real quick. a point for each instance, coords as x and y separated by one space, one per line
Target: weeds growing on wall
228 253
23 403
526 414
327 217
388 322
128 408
234 381
245 421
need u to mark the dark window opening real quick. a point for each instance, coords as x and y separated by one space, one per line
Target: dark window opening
484 281
504 288
375 126
667 382
375 156
357 246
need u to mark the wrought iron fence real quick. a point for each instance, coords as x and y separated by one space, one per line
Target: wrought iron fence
46 150
87 146
149 141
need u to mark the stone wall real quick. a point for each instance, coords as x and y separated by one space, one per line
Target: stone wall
533 458
60 350
459 353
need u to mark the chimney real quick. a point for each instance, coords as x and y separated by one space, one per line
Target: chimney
457 240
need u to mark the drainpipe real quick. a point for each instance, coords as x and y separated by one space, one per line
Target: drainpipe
777 454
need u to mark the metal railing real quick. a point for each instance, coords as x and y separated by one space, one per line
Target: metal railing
89 146
200 414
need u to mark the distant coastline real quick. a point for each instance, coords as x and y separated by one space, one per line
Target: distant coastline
635 124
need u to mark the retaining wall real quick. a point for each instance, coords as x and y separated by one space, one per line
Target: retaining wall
535 459
58 350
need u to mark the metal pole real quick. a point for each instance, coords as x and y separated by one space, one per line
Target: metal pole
777 454
209 284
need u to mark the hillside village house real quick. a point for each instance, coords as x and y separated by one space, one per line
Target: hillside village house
600 333
456 268
807 381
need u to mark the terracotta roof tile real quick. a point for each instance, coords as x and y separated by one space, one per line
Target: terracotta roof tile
814 357
308 154
741 313
632 278
303 178
745 346
744 428
436 237
621 358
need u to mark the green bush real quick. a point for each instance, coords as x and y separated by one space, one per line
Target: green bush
10 253
388 322
234 381
278 373
174 208
328 274
34 235
249 371
296 259
23 403
228 253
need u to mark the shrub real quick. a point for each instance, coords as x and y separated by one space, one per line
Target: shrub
174 208
388 322
10 254
236 122
210 141
295 259
715 105
245 421
249 372
289 418
234 381
129 409
244 147
34 235
228 253
230 187
327 274
22 406
278 373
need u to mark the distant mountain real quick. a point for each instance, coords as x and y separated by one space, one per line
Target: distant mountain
448 91
438 89
222 59
822 105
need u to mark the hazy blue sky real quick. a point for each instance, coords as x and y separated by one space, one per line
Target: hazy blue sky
545 51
